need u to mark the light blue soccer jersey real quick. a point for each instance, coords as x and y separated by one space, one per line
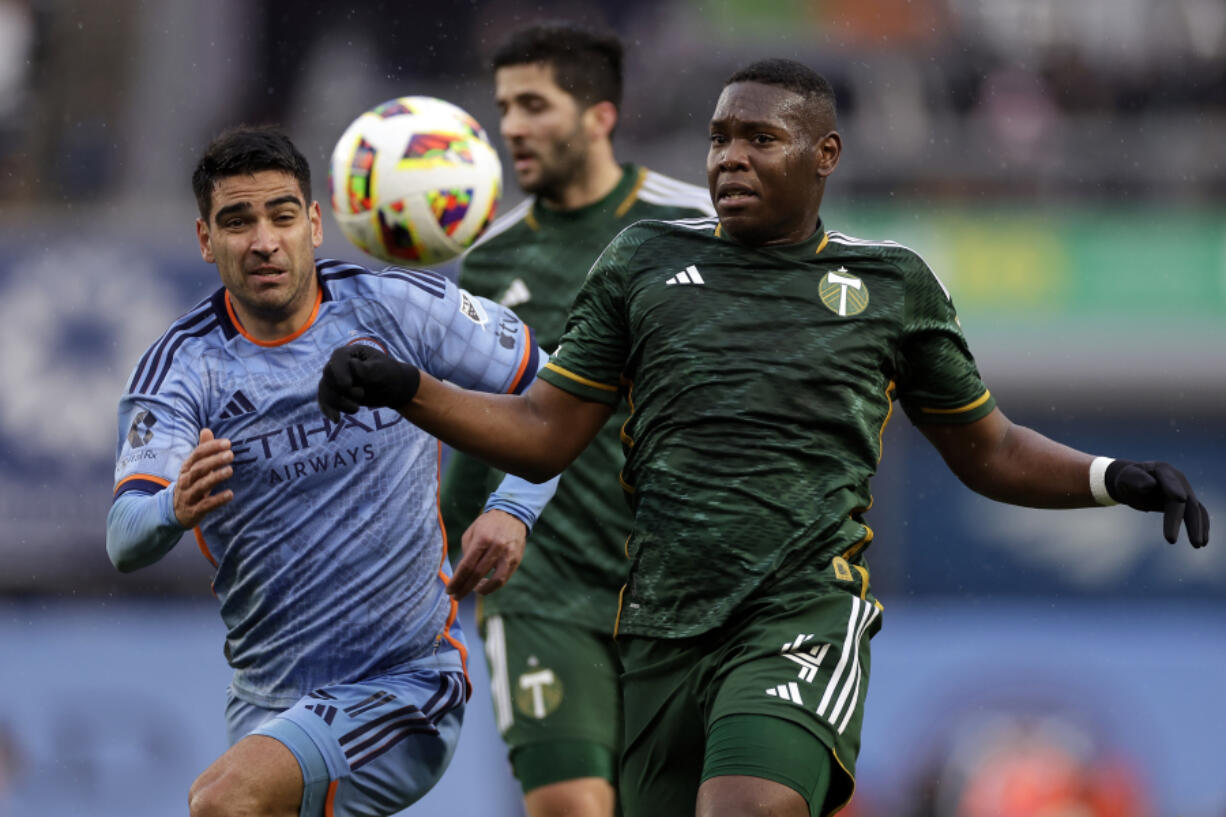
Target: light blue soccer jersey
330 558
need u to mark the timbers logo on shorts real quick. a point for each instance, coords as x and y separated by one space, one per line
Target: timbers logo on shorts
537 692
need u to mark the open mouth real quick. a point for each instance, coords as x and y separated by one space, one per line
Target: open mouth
731 194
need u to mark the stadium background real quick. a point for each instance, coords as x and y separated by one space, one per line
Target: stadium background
1059 164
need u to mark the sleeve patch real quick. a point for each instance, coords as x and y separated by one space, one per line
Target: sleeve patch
471 308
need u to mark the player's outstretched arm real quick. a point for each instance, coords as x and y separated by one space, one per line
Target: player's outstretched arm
1018 465
534 435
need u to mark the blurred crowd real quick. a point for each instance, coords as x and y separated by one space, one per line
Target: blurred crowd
956 98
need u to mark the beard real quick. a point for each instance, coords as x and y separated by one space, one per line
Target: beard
561 163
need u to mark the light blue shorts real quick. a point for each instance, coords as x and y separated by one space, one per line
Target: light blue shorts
369 748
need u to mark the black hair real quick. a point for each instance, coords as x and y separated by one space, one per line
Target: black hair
243 150
790 75
586 64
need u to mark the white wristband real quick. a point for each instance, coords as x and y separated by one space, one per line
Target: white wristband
1098 481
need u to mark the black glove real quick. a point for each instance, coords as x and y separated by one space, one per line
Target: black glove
1157 486
360 375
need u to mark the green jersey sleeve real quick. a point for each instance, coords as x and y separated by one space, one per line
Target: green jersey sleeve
596 343
938 380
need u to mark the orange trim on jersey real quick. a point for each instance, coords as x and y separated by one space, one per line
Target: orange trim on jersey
628 202
523 363
204 548
530 219
455 606
330 799
822 246
960 409
147 477
319 297
553 367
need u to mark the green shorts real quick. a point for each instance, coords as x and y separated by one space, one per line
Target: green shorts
557 701
786 662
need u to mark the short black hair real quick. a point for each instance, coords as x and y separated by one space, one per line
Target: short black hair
243 150
791 75
586 64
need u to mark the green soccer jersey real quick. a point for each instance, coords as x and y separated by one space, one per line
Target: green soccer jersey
534 260
759 382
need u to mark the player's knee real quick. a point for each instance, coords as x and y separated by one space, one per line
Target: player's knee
745 796
585 797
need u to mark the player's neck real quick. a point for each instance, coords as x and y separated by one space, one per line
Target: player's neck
275 326
601 174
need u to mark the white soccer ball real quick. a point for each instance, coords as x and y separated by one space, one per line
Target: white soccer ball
414 181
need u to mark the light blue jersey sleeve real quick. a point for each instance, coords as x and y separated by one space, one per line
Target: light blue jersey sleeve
454 335
158 428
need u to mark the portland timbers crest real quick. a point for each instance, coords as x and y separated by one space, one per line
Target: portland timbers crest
842 293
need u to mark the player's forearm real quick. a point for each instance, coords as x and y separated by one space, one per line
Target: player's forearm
1032 470
1014 464
140 529
504 430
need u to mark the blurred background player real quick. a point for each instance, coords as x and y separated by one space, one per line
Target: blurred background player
548 633
762 354
349 677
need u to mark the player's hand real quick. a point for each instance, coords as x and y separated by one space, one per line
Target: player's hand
204 469
1157 486
359 375
493 548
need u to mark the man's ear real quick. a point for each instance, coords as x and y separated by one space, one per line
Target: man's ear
202 235
829 149
601 118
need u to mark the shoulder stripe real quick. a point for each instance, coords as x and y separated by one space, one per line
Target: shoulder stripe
505 222
665 190
700 223
199 312
432 282
182 338
842 238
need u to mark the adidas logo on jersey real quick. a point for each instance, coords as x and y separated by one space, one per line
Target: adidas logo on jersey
237 407
689 275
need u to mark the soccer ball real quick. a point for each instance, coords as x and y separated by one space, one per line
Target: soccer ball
414 180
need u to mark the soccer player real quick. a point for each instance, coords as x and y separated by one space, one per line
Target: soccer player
553 664
349 666
761 354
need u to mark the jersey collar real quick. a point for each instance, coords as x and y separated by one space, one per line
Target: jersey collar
802 250
616 202
231 326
